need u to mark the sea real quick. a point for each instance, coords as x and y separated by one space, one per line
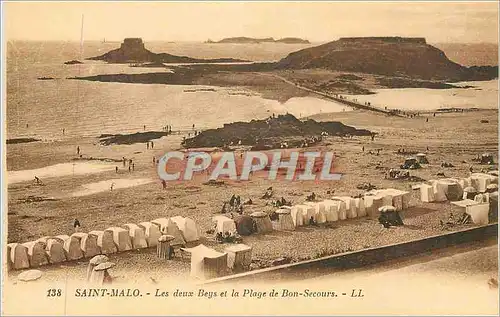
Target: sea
43 108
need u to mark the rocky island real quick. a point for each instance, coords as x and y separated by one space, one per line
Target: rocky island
250 40
271 132
390 56
132 50
344 66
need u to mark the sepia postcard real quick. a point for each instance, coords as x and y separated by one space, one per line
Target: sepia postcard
250 158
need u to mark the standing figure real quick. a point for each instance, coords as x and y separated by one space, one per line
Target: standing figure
76 225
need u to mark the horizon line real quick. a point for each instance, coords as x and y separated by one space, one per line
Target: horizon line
215 41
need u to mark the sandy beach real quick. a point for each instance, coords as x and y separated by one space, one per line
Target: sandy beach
49 209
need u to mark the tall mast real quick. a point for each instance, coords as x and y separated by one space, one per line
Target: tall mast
81 40
79 72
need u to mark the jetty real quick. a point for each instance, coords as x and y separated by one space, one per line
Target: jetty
340 99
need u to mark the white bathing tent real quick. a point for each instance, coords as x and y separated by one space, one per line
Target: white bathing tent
481 180
207 263
296 212
343 206
188 228
168 226
319 211
307 212
224 224
331 209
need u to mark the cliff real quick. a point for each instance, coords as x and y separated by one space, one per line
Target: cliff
391 56
132 50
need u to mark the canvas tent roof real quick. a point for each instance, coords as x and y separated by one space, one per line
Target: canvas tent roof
202 250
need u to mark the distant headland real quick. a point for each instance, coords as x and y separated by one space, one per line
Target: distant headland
133 50
250 40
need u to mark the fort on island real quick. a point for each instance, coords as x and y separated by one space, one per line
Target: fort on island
388 39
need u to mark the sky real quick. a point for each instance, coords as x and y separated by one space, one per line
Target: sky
438 22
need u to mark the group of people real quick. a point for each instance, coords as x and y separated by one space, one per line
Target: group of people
311 141
235 205
131 164
282 202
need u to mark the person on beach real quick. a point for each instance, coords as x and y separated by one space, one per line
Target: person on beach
133 167
154 160
37 180
116 169
147 145
63 131
124 161
129 168
76 225
363 148
144 127
111 187
152 145
77 150
129 162
164 183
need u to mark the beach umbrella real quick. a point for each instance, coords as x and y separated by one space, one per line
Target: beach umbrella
29 275
104 266
470 189
492 188
384 209
98 259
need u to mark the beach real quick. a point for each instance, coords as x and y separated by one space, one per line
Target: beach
146 200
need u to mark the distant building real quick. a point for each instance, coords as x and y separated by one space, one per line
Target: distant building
132 43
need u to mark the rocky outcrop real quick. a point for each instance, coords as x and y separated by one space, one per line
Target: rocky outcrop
269 132
132 50
73 62
390 56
